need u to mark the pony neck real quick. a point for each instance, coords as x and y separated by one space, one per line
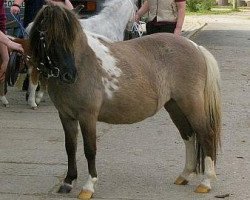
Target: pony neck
112 20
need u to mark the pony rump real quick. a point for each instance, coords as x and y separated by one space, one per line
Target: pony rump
48 19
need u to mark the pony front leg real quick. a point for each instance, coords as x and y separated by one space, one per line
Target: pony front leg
33 83
43 88
88 128
32 95
2 95
70 127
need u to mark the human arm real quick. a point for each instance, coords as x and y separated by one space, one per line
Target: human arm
10 44
15 8
181 6
66 3
144 8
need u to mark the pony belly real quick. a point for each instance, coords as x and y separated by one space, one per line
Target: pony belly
125 116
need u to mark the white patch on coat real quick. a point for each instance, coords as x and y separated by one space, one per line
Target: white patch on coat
89 185
109 86
108 64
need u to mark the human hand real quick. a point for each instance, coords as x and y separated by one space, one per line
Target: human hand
137 17
15 46
15 9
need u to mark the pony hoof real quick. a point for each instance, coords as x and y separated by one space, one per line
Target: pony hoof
202 189
85 195
181 181
6 105
65 188
34 108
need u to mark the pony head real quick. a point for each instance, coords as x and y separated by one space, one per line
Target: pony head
52 42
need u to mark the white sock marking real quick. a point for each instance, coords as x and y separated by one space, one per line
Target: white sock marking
89 185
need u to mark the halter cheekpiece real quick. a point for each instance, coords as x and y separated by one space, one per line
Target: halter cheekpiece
46 67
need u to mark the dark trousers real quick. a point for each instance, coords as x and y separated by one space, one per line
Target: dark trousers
152 28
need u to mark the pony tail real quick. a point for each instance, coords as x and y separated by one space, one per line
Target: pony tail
212 104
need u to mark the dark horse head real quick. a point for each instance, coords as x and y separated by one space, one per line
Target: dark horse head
52 45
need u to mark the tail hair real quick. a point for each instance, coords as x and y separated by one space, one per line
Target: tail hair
212 105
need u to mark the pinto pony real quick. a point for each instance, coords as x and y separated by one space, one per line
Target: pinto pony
111 23
126 82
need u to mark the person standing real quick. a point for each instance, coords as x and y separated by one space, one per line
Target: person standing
32 7
164 15
5 43
3 48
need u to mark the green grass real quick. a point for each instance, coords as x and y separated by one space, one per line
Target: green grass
214 11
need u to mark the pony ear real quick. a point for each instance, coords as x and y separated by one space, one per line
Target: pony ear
78 9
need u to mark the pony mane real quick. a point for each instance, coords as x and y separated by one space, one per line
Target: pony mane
59 25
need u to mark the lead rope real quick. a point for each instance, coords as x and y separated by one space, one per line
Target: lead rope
18 20
137 28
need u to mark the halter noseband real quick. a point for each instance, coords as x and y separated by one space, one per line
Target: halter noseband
46 66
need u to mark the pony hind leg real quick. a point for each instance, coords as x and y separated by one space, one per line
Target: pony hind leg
70 127
187 135
205 138
88 128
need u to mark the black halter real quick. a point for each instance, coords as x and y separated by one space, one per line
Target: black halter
46 67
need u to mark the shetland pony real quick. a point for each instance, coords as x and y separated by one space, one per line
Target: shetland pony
93 79
111 23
